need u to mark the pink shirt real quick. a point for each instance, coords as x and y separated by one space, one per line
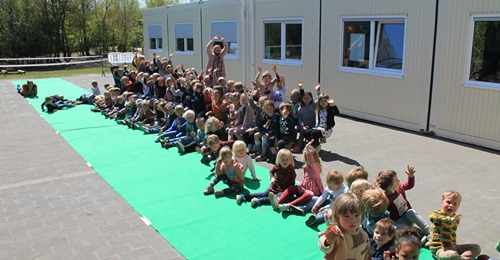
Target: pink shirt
312 178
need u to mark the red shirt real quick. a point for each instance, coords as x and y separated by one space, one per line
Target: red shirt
284 177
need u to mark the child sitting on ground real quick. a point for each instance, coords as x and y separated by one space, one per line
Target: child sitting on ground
326 111
188 130
383 239
211 150
335 187
282 176
264 130
29 90
283 130
359 186
95 88
355 173
445 221
198 139
240 155
399 207
344 239
407 246
229 171
376 204
245 116
175 128
311 185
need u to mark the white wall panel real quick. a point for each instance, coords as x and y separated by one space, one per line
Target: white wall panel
399 100
186 13
308 10
464 113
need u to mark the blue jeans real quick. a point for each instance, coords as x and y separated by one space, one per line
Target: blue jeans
263 196
320 215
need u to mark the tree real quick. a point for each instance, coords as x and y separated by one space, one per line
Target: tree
33 28
160 3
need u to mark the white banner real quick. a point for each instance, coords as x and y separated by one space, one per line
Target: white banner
120 57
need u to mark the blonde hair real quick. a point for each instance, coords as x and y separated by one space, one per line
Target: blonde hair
359 184
295 92
334 177
238 85
453 194
239 145
188 114
212 125
243 97
347 203
375 201
200 120
315 154
282 153
354 174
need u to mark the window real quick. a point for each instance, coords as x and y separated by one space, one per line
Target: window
155 37
283 41
484 53
374 45
229 31
184 38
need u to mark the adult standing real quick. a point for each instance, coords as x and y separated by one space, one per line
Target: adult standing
215 65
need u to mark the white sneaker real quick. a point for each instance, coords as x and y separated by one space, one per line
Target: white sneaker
274 200
284 207
255 202
239 199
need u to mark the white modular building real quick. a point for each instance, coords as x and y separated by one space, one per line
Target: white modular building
431 65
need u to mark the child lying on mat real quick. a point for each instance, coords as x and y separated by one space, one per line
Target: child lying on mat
56 102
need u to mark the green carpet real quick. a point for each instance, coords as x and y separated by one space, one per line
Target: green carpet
168 189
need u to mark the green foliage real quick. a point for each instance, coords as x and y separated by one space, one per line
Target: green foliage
37 28
160 3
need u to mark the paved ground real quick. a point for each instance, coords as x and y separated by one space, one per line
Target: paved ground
54 206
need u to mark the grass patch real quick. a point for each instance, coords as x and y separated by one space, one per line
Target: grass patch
57 73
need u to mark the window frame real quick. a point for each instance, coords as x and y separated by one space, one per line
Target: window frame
156 39
476 83
185 51
283 23
375 33
231 56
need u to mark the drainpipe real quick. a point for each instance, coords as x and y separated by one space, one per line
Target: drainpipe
426 131
243 38
252 40
202 53
319 41
168 34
